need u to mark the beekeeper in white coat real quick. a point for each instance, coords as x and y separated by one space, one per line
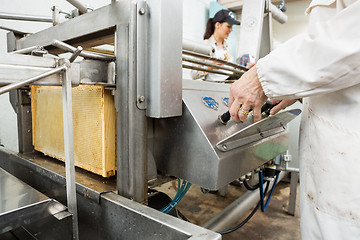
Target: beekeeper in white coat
322 66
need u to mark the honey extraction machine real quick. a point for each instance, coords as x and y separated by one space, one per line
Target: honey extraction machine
126 118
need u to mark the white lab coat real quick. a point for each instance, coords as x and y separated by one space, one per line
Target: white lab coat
323 67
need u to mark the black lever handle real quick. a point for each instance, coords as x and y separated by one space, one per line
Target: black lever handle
224 118
265 111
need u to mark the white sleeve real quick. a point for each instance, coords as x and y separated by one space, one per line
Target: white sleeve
323 60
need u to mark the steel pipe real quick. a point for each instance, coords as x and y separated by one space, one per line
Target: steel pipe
23 17
212 65
25 50
75 54
85 54
69 153
82 8
228 217
203 56
196 47
277 14
17 85
207 70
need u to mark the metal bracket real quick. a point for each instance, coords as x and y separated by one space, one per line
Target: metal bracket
141 53
69 150
247 140
21 103
259 130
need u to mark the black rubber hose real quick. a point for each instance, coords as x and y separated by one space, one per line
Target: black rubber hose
249 187
247 218
182 216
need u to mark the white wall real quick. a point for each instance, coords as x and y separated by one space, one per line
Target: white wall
297 22
8 122
195 15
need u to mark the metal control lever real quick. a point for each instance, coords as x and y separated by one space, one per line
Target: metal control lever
265 112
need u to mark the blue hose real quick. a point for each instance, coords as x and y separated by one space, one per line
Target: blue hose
179 195
264 206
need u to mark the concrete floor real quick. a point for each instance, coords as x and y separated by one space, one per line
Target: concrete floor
273 224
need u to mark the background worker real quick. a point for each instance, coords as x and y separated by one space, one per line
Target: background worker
322 66
217 31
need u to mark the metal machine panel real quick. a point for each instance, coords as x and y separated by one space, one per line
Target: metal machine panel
165 54
251 28
102 213
186 146
20 204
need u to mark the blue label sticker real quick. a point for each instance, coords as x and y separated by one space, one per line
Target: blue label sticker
210 102
226 101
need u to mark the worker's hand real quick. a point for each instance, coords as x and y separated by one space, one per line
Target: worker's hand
281 104
245 94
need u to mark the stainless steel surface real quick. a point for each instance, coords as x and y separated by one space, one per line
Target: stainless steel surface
294 178
203 56
154 229
68 134
75 54
141 53
31 80
196 47
251 28
69 151
242 141
48 175
259 130
25 50
11 39
164 63
55 15
116 21
78 5
24 17
16 68
192 60
231 215
131 122
21 103
29 61
277 14
102 213
266 38
185 146
20 204
98 21
206 70
85 54
93 71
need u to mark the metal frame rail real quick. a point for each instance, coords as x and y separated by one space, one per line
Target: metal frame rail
68 133
116 21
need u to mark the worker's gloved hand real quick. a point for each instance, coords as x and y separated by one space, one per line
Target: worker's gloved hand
281 104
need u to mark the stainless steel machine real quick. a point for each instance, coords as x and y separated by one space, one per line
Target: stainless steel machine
199 148
162 122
